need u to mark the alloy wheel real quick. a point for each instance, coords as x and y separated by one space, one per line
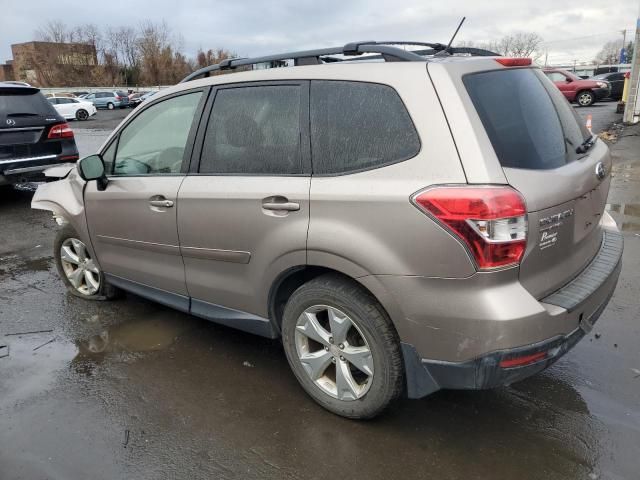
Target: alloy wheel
334 353
82 115
584 99
79 267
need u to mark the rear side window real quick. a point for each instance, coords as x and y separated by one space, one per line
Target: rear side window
14 103
254 130
358 126
528 120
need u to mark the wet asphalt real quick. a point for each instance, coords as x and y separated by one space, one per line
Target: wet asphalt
132 390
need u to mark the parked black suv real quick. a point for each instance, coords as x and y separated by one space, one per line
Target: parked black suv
33 136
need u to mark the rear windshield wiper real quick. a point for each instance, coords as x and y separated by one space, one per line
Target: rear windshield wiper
586 145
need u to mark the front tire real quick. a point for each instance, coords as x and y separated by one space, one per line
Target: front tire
342 347
82 115
80 274
585 98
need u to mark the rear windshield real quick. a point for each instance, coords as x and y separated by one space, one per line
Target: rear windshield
30 103
529 122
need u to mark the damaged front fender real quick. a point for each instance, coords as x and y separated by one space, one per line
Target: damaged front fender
65 199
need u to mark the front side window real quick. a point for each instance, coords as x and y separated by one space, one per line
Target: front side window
254 131
357 126
154 142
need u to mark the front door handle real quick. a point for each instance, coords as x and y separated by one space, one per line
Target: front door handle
286 206
161 203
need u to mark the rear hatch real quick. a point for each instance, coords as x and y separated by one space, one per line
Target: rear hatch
546 153
25 118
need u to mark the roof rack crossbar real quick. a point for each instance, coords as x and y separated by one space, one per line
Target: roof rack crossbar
356 48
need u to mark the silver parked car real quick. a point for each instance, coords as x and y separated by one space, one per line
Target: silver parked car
432 222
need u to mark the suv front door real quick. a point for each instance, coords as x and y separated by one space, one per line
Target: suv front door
133 221
244 212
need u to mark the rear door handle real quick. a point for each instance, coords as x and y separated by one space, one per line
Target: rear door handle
282 206
161 203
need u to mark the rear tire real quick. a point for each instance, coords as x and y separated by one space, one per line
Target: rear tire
82 115
80 275
585 98
342 347
110 106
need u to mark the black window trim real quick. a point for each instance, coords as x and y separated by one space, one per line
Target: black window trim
189 147
305 140
377 166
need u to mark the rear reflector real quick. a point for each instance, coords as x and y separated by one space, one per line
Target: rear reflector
514 62
490 221
60 131
69 158
523 360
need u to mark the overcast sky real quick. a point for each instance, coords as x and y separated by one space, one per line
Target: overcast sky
572 30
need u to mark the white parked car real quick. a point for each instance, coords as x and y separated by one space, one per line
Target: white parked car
73 108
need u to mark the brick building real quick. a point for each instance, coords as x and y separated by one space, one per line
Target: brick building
49 64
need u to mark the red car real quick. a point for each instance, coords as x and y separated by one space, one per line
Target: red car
583 92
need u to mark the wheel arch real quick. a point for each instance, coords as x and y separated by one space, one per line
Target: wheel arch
294 277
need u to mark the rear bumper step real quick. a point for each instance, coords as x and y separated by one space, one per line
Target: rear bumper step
590 279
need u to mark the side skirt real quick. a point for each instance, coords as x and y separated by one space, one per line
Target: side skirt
209 311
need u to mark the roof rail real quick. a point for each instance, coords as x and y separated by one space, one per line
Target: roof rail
385 50
309 57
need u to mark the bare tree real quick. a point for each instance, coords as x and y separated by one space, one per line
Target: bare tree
609 53
54 31
520 44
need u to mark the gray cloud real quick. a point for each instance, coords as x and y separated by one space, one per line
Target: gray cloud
253 27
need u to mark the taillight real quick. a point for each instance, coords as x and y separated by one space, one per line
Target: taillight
60 131
490 221
118 98
514 62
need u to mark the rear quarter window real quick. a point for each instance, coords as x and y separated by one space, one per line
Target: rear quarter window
529 122
358 126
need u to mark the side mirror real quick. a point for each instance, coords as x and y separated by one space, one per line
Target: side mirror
569 80
92 168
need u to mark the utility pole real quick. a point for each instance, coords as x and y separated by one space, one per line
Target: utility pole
632 105
624 47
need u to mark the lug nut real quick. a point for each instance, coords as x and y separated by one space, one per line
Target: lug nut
330 339
341 346
326 348
342 358
333 360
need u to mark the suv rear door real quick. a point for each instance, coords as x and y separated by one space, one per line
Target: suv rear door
244 209
133 221
525 134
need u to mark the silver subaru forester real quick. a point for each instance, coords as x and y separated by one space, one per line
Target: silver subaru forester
404 221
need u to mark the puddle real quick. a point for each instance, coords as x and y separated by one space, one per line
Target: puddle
627 215
32 365
16 264
133 336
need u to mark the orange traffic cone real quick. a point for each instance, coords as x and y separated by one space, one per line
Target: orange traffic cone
589 123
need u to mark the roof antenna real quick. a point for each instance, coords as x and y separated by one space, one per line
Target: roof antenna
446 50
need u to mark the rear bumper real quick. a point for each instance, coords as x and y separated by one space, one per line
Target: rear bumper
475 329
32 168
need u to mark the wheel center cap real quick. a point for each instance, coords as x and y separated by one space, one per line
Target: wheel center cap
335 351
